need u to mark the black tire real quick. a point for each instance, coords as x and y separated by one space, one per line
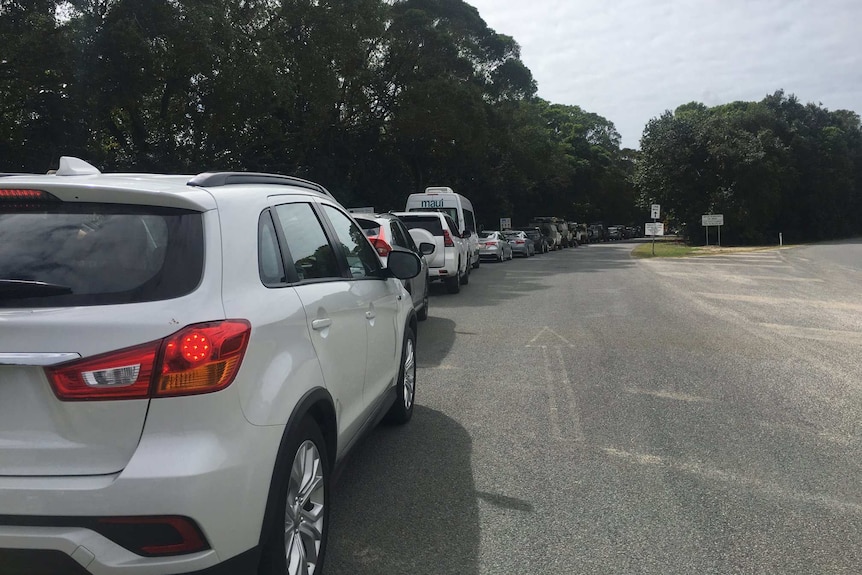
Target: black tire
307 444
422 314
478 262
453 284
402 410
465 277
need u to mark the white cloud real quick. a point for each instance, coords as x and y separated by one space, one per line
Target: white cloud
629 60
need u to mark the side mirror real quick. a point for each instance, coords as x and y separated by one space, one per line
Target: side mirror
466 234
426 248
403 264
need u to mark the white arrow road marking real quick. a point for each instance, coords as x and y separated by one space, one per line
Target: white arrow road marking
553 336
555 381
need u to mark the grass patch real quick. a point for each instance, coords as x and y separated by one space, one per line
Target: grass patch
664 250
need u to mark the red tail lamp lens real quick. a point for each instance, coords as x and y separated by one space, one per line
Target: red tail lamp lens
200 358
381 246
21 194
154 536
195 347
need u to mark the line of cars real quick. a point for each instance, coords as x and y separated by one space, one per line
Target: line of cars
156 326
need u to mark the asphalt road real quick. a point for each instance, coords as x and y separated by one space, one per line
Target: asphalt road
587 412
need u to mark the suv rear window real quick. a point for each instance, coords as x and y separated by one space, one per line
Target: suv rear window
73 254
369 227
430 223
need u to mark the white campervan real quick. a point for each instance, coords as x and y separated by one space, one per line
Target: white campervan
442 199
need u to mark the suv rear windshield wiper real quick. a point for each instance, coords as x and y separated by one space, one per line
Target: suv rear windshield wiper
25 288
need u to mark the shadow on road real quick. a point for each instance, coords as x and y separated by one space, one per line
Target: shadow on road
434 340
405 502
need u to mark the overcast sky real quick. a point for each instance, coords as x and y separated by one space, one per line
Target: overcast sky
630 60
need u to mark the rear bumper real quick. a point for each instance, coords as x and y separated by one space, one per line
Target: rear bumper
28 562
179 468
495 253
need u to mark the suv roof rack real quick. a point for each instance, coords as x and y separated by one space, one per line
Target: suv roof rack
214 179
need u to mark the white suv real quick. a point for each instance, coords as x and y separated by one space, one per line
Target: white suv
450 262
183 361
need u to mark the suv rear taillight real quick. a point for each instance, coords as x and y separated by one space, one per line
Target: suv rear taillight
381 246
447 239
200 358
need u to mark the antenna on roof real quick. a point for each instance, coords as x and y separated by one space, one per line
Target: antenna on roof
70 166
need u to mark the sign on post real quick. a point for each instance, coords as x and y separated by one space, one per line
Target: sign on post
505 223
655 211
653 229
709 220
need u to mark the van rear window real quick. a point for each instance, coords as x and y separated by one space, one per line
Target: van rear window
80 254
451 212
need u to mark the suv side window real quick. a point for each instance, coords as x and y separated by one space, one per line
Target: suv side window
408 239
362 260
398 237
311 251
269 262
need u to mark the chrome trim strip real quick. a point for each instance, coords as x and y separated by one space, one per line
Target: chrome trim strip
36 358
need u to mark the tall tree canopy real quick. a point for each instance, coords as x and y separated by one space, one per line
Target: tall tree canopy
774 166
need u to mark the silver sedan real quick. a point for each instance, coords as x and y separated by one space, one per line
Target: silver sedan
494 245
520 242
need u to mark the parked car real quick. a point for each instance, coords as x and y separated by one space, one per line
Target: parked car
555 229
184 361
567 238
581 236
450 262
520 242
615 233
493 245
540 243
385 231
446 200
597 233
552 235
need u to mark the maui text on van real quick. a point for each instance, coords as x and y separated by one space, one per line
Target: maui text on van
443 199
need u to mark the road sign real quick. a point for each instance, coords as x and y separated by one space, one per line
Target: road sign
712 220
505 223
653 229
655 210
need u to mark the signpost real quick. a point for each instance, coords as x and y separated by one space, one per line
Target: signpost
505 224
708 220
655 212
653 229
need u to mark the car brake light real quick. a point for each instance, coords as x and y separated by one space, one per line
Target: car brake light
519 241
447 239
19 194
200 358
381 246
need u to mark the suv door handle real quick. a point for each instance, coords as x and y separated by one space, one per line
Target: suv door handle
370 315
319 324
